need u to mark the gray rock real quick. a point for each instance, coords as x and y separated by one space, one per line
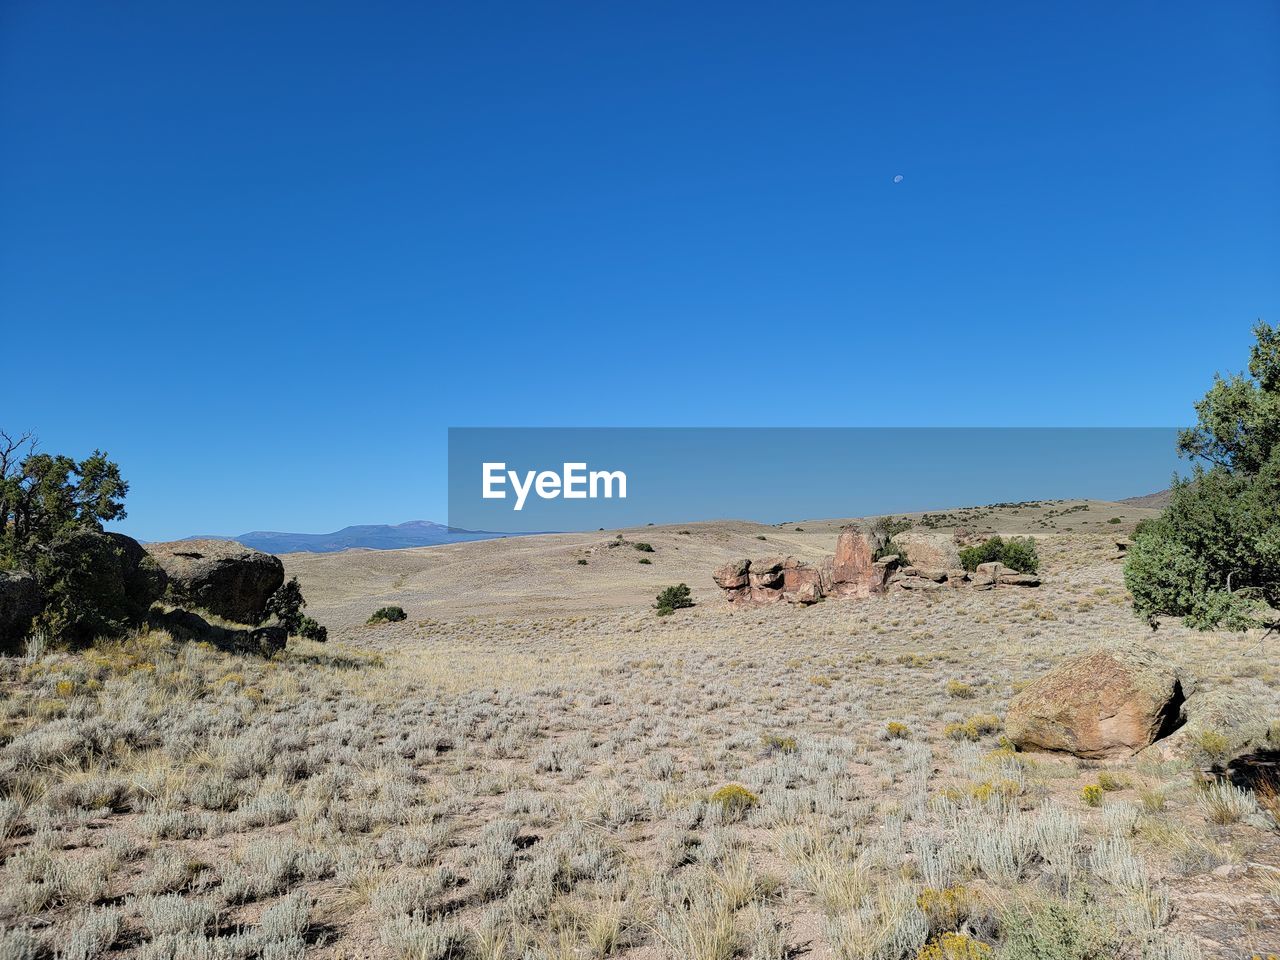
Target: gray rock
1220 725
111 577
1019 580
225 578
19 602
929 548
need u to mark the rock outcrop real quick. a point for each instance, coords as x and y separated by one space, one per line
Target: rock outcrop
929 549
855 571
770 580
995 574
1111 702
112 577
223 577
19 602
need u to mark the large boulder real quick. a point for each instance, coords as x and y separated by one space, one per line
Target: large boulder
854 572
19 602
1221 725
734 579
97 584
771 580
801 583
928 549
1111 702
766 580
225 578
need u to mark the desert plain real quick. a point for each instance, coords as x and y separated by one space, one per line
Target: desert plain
534 764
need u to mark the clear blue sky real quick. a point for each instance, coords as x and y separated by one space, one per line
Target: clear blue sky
265 254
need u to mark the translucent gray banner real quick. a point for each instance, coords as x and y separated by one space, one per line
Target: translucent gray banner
521 479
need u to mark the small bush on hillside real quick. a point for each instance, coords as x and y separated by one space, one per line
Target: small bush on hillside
644 547
646 561
674 598
286 604
388 615
309 629
886 528
1017 554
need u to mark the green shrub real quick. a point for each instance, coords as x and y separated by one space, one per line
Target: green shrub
388 615
646 561
582 562
886 528
986 552
675 598
1213 556
309 629
1057 931
644 547
1020 554
889 549
286 604
1017 554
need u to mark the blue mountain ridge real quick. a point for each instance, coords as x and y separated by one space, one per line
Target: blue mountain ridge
372 536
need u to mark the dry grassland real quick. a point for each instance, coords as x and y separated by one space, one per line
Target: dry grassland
536 766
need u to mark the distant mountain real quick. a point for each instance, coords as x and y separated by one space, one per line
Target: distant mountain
1155 501
373 536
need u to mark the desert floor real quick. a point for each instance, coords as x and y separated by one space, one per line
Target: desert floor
532 765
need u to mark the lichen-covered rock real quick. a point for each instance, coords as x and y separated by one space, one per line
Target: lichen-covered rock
1220 725
225 578
19 603
929 548
771 580
1111 702
732 575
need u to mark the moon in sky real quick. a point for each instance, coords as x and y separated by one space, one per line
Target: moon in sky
898 178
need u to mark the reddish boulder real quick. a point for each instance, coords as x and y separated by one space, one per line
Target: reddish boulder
801 583
734 579
766 580
1112 702
854 572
